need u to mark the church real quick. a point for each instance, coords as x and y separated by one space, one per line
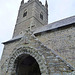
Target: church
39 48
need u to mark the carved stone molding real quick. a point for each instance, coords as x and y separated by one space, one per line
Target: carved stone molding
32 52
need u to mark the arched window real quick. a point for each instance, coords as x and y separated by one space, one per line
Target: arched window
25 13
41 15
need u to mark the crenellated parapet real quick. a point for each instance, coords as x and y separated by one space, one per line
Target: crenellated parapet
44 7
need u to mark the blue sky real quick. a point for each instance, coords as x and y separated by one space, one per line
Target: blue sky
58 9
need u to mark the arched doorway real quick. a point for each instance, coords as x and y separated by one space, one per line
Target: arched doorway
27 53
26 65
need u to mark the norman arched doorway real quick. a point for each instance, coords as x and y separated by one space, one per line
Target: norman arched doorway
26 65
25 56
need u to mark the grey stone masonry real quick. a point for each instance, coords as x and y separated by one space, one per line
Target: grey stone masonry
61 40
52 46
31 15
47 59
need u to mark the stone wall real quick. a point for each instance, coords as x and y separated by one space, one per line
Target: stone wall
61 40
7 51
49 58
8 48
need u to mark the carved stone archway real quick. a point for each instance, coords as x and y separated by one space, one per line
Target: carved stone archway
26 65
32 52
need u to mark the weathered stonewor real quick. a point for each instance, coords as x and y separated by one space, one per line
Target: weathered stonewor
37 48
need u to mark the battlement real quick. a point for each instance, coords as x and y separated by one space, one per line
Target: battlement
30 2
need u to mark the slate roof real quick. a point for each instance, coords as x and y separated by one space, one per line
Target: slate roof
13 39
51 26
57 24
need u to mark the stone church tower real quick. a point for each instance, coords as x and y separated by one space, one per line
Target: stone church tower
39 48
30 16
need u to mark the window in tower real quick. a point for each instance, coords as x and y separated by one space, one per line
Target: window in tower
25 13
41 15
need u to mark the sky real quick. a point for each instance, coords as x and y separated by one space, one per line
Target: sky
58 9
